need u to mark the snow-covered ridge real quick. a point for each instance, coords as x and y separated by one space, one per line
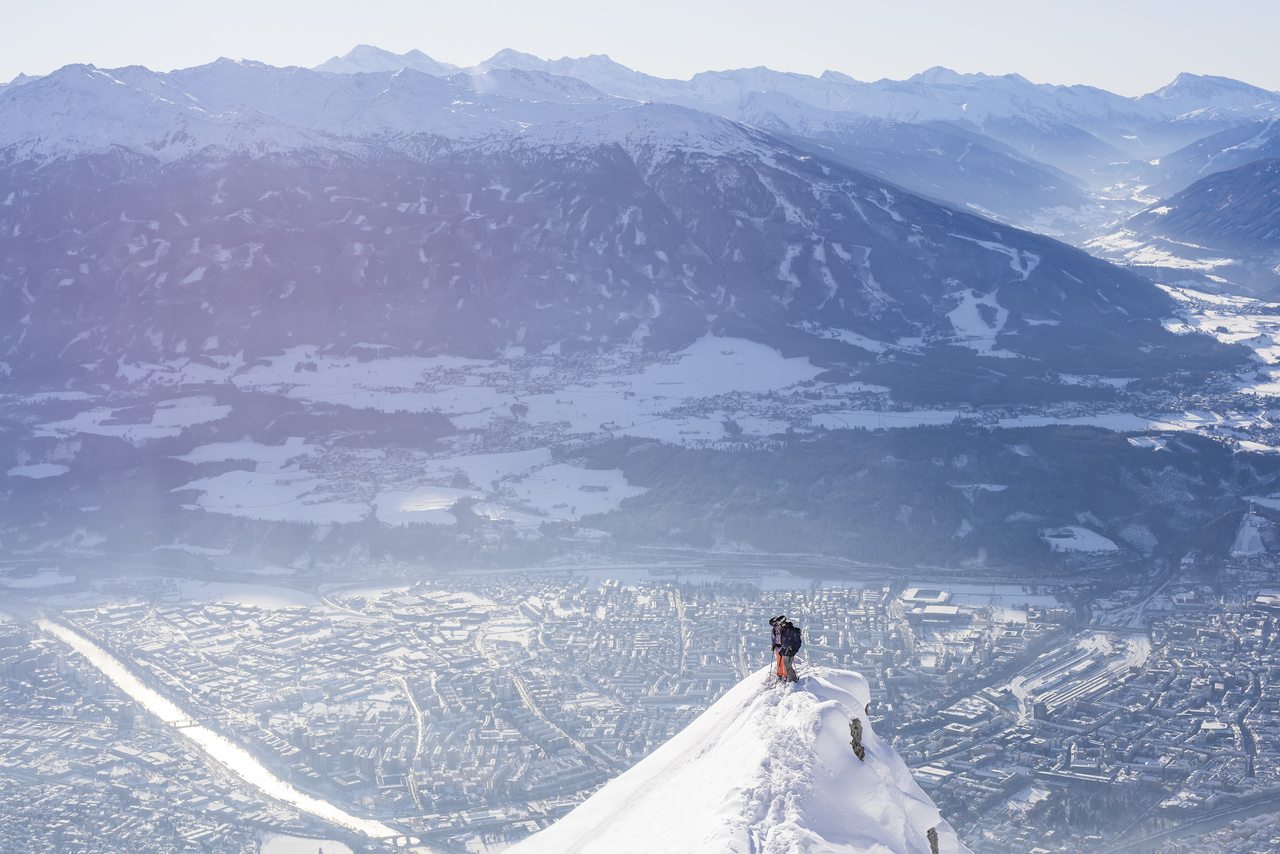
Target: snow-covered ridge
371 94
767 769
255 109
1190 92
364 58
937 93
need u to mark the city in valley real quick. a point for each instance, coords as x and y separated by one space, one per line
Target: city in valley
468 710
787 444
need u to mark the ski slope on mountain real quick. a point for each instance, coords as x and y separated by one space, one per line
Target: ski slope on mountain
767 769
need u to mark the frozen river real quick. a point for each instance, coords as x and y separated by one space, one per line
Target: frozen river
222 750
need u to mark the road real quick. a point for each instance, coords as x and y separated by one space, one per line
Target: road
410 774
522 687
684 629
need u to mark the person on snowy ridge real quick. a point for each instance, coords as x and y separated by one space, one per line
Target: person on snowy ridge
786 643
776 624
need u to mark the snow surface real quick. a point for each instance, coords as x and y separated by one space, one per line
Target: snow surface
167 420
1073 538
473 394
254 595
274 456
276 843
1142 250
972 328
568 492
1248 541
424 505
188 412
99 421
43 577
767 769
38 471
288 495
291 482
275 490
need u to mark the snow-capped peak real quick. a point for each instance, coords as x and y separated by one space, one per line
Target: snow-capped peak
941 74
248 107
1207 85
526 85
1201 93
597 70
511 58
767 769
364 58
21 79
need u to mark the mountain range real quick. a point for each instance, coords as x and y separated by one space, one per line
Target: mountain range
389 252
389 317
510 206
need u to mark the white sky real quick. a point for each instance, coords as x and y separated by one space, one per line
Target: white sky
1128 46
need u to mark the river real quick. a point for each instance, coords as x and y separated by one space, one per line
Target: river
222 750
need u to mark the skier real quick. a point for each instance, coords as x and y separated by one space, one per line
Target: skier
786 643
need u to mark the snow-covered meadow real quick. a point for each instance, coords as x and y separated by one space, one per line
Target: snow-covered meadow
507 414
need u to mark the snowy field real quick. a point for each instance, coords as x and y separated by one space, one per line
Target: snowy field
255 595
619 396
168 419
1133 250
1231 319
40 579
38 471
427 505
687 397
509 411
299 482
1074 538
714 392
275 496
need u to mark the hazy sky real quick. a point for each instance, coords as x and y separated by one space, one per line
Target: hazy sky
1129 46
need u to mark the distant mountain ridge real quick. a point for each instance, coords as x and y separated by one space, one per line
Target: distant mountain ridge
1025 114
1222 233
367 58
1039 151
510 258
258 208
1227 149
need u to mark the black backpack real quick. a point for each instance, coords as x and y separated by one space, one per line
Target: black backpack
791 639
